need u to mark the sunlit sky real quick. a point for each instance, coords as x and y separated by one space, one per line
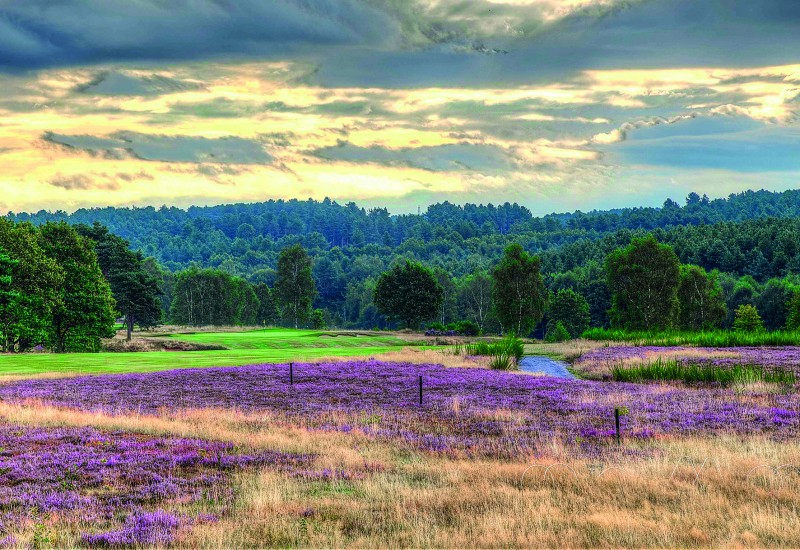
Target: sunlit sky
555 104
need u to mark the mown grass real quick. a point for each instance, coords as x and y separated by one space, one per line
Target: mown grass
693 373
289 339
246 348
710 339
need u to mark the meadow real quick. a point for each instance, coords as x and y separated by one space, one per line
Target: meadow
344 453
242 348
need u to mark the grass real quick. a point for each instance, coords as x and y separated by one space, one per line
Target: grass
246 348
692 492
711 339
504 354
693 373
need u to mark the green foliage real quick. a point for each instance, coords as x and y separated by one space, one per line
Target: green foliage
571 311
83 310
772 302
556 332
793 319
691 373
508 351
518 292
474 298
713 339
409 293
644 278
294 285
267 308
318 319
465 328
35 279
135 287
7 294
213 297
702 304
748 319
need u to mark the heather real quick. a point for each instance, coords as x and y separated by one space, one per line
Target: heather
602 361
464 412
115 488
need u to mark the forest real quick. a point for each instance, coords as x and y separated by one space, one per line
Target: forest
222 264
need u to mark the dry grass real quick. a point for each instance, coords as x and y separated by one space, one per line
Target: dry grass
444 357
568 351
693 492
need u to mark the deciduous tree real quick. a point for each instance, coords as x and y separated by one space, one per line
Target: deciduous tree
294 286
702 304
644 278
518 291
408 292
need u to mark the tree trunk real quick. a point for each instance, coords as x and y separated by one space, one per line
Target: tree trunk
129 323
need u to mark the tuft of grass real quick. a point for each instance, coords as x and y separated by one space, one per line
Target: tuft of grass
696 373
708 339
504 354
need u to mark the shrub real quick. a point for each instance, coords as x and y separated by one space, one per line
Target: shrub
466 328
556 332
747 319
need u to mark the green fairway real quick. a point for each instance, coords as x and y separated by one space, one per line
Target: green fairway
262 346
290 339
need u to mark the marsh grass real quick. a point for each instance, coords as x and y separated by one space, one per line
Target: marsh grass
712 339
668 370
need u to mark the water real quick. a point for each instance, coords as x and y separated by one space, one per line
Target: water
544 365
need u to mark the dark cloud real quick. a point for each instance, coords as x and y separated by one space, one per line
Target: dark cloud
81 182
635 34
114 83
440 158
120 145
39 33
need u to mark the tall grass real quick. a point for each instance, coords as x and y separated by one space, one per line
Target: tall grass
694 373
710 339
504 354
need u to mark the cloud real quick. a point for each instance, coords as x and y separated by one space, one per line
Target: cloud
118 83
121 145
39 33
621 133
441 158
81 182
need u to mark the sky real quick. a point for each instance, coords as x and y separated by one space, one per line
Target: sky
558 105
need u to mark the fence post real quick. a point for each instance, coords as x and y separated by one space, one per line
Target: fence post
420 389
291 374
616 424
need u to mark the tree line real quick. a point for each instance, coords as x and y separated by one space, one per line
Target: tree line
227 263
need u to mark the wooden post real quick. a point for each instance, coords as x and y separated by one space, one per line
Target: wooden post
291 374
420 389
616 423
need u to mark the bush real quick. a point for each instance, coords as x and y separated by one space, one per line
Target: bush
556 332
747 319
465 328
